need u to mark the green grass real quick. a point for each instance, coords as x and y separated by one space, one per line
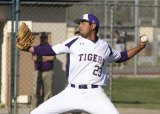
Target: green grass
136 92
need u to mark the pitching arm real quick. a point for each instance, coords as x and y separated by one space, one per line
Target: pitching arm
126 55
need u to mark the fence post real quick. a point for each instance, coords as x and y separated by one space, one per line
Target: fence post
16 57
136 33
12 58
155 34
111 64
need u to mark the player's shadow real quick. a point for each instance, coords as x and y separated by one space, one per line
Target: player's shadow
59 78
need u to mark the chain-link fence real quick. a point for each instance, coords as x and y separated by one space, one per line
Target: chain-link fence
130 18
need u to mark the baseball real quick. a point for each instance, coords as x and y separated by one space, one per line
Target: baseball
144 39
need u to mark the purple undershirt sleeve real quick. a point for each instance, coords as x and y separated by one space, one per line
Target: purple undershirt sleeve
124 57
44 51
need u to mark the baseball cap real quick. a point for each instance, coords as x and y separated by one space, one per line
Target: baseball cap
88 17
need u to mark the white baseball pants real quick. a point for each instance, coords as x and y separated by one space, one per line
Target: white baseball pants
93 101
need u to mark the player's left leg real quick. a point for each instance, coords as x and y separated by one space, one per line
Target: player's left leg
98 103
65 101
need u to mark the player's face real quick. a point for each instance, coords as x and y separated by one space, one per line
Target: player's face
85 29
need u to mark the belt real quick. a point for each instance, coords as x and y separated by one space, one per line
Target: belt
84 86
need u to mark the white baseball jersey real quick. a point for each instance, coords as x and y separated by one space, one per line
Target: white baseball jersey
86 60
85 65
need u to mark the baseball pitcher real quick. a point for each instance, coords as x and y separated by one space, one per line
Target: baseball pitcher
87 55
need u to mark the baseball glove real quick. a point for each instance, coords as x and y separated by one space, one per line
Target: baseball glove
24 37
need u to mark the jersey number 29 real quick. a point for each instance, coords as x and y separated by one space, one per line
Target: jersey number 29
97 71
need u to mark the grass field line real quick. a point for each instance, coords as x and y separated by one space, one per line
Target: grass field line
137 76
